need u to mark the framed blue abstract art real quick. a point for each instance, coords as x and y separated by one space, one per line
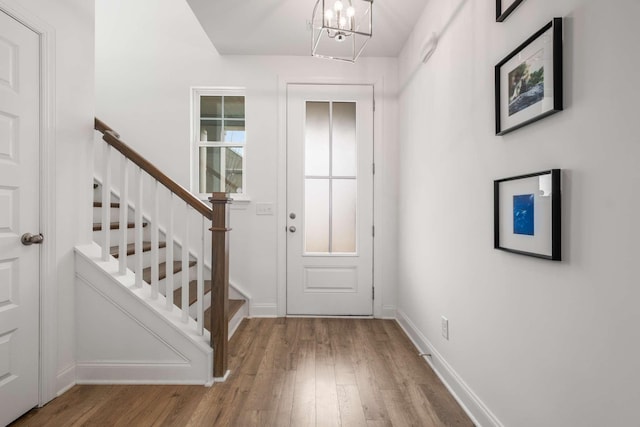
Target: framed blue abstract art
527 214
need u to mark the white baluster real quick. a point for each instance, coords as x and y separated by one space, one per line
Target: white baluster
169 253
185 268
200 272
138 229
155 256
106 203
124 199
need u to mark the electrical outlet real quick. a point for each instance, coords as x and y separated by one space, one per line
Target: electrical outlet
445 328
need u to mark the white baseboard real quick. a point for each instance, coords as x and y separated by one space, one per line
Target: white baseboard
65 379
388 312
263 310
470 402
222 378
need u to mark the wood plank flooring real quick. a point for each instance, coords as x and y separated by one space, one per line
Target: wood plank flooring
285 372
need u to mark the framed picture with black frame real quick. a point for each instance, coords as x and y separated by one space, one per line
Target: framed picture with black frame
526 215
528 81
504 8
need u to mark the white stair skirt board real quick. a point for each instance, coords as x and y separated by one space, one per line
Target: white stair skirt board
237 318
468 400
125 337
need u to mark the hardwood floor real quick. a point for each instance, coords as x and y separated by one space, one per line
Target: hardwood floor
285 372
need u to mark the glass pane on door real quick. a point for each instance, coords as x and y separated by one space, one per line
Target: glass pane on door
330 168
316 208
343 214
316 144
343 144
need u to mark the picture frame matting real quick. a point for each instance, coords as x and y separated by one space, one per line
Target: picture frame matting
529 81
527 214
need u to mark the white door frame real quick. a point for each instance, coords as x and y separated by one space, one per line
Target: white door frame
48 272
378 212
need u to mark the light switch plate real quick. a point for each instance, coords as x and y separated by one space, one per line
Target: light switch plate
264 208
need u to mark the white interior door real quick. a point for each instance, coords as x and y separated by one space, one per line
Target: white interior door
329 199
19 214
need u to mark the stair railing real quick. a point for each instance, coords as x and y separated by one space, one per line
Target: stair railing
214 220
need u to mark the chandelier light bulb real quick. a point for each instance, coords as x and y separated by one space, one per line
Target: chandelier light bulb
328 14
338 6
351 11
343 21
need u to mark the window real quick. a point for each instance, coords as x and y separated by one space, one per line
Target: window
219 141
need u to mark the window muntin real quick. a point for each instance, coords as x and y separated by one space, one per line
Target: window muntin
220 141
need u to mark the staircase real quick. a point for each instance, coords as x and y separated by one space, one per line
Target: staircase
114 207
155 282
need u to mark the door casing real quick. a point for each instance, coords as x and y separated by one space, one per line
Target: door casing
353 301
378 89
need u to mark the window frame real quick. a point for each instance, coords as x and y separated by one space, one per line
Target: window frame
196 94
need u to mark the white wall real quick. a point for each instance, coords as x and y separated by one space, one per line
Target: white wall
148 56
71 23
537 342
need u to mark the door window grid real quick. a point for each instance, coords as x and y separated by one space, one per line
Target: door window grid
320 227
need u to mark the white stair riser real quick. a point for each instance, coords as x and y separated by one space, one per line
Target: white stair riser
194 307
177 280
162 257
146 258
114 236
114 215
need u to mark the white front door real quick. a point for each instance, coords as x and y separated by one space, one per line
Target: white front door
329 200
19 214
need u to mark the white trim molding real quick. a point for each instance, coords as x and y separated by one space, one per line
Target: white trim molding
66 379
479 413
263 310
48 374
388 312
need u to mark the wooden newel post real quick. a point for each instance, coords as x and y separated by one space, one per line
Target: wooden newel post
220 283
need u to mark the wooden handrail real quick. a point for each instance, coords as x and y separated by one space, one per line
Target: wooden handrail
102 127
112 138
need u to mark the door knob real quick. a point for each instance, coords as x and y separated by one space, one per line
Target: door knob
292 215
292 229
31 239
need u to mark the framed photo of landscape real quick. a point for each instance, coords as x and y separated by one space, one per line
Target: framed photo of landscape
529 80
504 8
527 214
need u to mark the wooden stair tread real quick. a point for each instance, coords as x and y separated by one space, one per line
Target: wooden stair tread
131 248
193 289
234 306
99 205
97 226
162 271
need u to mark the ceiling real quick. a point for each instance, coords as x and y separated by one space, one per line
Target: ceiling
280 27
